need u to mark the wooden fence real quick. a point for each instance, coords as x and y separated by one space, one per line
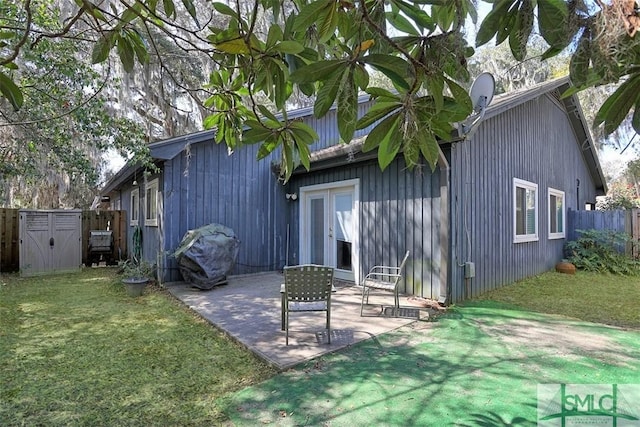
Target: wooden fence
9 239
91 220
623 221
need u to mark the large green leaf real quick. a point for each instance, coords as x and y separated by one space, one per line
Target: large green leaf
521 31
390 145
361 76
188 4
435 88
327 94
402 23
225 10
347 107
552 21
139 46
305 132
235 46
102 48
493 21
507 24
310 13
380 132
11 91
635 120
377 112
290 47
396 68
614 110
169 8
268 114
256 134
580 60
267 147
382 94
321 70
327 23
419 16
125 52
429 148
461 96
274 36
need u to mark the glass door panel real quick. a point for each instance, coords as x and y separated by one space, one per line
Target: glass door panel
316 231
342 226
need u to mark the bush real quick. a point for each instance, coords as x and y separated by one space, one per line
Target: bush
602 251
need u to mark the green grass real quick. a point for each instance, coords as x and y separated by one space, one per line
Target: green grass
75 350
479 365
601 298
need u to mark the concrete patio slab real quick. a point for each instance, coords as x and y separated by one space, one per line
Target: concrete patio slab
248 309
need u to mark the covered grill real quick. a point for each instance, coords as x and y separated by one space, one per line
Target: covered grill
207 254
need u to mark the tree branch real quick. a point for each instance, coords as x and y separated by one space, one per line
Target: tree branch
25 36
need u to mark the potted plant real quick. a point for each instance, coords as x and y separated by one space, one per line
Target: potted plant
136 274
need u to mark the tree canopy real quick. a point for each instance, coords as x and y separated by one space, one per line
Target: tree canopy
266 52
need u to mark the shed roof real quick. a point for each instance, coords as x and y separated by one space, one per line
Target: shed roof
169 148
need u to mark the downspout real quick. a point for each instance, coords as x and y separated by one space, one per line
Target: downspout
445 224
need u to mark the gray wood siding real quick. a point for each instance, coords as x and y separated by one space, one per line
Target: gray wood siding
151 236
533 142
399 211
205 185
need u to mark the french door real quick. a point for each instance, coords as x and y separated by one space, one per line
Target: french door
329 225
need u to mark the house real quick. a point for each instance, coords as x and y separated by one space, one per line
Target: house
494 210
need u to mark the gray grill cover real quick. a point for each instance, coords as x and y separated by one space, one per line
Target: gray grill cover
205 255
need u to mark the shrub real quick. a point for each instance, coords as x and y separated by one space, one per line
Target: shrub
602 251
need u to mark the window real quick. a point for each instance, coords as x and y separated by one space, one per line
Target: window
134 206
151 203
525 211
556 214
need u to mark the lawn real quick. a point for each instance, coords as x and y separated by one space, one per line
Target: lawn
600 298
75 350
478 365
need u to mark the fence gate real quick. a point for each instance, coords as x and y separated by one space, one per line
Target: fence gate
50 241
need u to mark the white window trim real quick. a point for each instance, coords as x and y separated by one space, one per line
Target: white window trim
151 185
557 193
520 183
134 205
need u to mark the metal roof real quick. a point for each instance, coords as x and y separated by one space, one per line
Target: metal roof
169 148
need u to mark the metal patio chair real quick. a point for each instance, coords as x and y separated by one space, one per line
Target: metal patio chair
307 288
385 278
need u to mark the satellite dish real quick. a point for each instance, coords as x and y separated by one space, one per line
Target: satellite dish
482 91
481 95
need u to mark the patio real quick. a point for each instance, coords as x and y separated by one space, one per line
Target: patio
248 309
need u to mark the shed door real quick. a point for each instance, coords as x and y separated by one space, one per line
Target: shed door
50 241
35 256
66 250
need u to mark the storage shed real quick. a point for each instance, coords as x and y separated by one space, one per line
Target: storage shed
50 241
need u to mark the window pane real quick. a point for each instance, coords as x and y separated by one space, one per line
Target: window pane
531 212
316 232
520 208
553 214
560 214
134 207
151 203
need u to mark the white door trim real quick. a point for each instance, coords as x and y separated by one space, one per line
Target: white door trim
353 184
